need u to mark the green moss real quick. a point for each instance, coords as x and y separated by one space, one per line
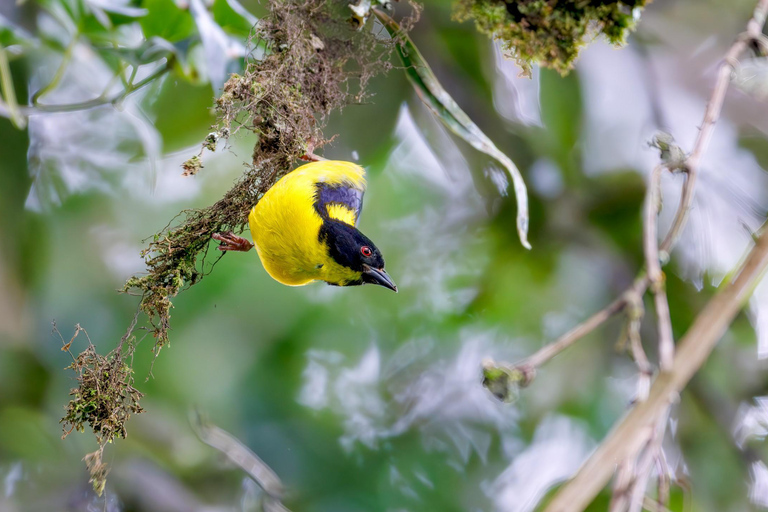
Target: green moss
504 382
104 399
548 32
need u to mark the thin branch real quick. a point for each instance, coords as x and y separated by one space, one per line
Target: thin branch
635 314
646 462
552 349
653 267
620 497
694 348
653 506
662 498
87 105
67 57
714 107
549 351
626 440
97 102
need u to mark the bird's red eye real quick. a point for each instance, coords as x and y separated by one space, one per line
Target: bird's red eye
367 252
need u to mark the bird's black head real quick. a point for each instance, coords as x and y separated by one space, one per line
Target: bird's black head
353 250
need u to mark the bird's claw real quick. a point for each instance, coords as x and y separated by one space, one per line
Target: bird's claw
232 242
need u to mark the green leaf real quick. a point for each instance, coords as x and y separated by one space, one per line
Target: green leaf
11 34
166 20
447 110
236 22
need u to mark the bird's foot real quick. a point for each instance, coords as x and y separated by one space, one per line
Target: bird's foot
311 157
232 242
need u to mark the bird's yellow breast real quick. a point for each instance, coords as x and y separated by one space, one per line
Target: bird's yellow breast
285 224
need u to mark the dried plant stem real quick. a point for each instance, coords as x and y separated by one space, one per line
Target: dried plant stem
653 269
662 498
714 107
631 432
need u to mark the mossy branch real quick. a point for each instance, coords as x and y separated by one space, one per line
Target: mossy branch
316 63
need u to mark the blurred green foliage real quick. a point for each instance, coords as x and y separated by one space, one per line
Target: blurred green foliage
242 347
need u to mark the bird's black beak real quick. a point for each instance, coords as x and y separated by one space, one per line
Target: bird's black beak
378 276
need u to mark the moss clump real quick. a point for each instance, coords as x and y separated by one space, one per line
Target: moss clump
192 166
548 32
504 382
104 399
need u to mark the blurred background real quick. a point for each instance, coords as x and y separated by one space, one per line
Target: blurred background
361 399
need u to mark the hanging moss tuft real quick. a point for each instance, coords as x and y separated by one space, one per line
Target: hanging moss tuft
548 32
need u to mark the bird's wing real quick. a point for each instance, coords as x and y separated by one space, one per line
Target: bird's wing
340 194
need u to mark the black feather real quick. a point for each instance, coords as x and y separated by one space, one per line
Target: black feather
345 194
344 243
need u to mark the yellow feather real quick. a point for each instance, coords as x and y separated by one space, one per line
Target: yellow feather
341 213
285 225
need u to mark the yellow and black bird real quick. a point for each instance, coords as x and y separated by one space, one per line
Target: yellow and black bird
304 229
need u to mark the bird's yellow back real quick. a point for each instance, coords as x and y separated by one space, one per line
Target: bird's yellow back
285 223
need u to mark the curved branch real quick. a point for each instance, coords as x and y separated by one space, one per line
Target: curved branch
694 348
28 110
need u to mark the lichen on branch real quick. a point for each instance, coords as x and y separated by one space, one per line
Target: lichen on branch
549 32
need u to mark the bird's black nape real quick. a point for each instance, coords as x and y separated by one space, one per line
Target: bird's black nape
348 247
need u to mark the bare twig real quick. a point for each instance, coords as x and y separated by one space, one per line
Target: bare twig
663 484
714 107
645 464
630 434
701 338
549 351
621 483
635 314
653 268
